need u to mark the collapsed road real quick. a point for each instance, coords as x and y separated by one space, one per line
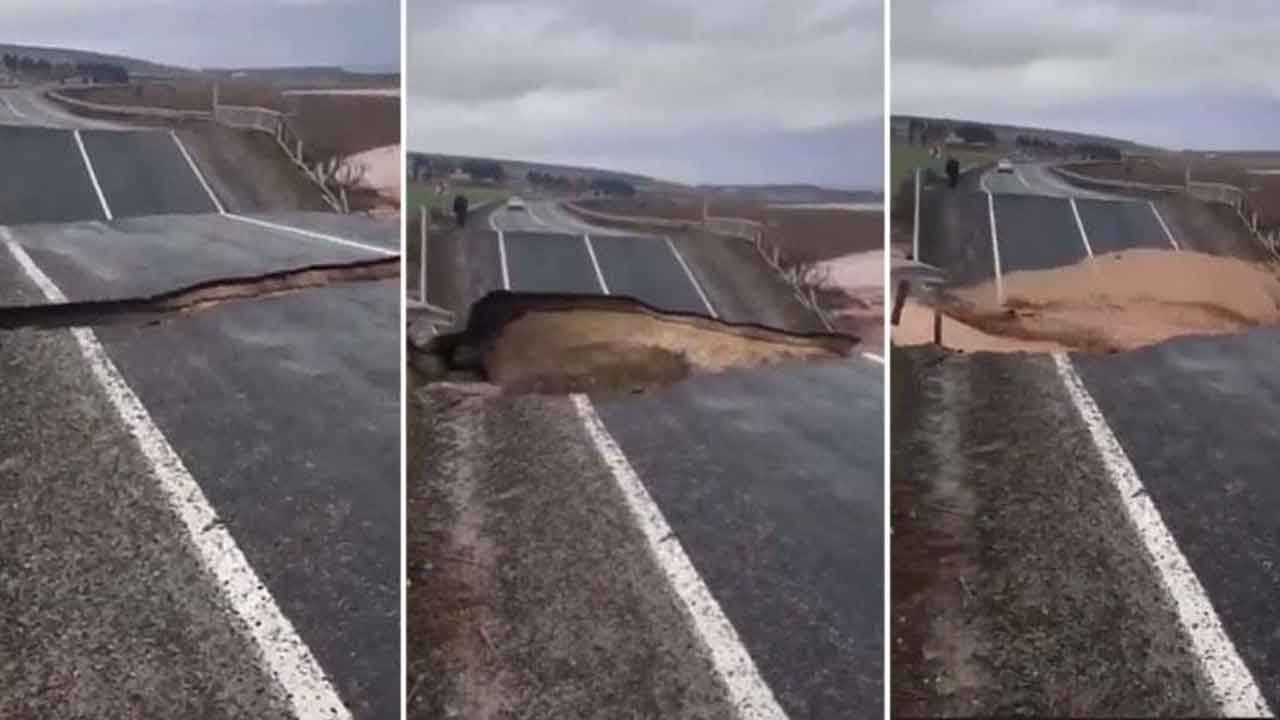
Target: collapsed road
1083 534
689 531
200 448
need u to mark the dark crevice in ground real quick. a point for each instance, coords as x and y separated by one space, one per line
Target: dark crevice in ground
193 298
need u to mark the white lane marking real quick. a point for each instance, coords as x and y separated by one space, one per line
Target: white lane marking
1080 226
1232 684
692 279
93 177
1017 174
873 357
595 263
311 234
534 216
283 653
199 175
995 247
748 693
1163 226
12 110
982 183
502 253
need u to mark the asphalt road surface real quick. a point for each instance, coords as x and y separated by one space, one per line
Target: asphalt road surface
26 106
201 513
1039 221
719 550
1111 555
541 250
782 514
74 175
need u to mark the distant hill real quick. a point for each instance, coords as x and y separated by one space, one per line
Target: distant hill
1007 134
304 77
67 55
797 193
521 168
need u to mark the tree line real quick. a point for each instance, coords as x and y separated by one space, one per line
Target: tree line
96 72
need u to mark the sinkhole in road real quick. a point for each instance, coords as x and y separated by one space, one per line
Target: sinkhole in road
545 343
1112 302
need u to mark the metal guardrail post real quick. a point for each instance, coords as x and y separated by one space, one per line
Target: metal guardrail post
422 253
915 223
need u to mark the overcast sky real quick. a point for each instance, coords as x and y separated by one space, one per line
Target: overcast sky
359 34
1175 73
725 91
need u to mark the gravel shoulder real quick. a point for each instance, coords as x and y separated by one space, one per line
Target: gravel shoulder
531 590
1018 586
107 610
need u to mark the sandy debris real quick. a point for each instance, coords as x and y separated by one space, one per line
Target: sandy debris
1116 301
382 170
916 328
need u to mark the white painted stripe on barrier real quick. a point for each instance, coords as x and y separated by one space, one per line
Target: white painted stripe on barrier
93 177
502 254
595 264
1230 680
199 175
995 247
692 279
310 234
748 693
284 655
1084 236
1160 219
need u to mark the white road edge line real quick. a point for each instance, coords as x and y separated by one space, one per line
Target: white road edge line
199 175
748 693
310 234
12 109
502 254
982 183
595 263
286 657
1231 682
995 247
692 279
93 177
1160 219
1080 226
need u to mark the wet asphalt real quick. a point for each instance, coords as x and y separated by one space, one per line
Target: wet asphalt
1037 229
1199 418
556 258
144 173
285 409
1018 583
144 256
43 178
772 480
107 609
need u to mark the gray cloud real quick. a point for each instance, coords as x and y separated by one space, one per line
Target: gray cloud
712 91
190 33
1100 63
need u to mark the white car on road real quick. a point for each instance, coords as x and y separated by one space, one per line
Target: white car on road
1004 166
516 203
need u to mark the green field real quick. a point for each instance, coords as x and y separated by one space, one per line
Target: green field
904 158
422 194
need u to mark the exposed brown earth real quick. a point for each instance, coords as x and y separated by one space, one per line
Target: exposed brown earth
577 343
1114 302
